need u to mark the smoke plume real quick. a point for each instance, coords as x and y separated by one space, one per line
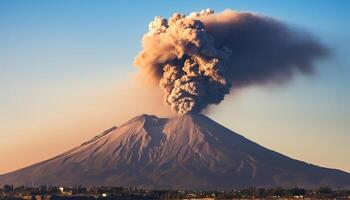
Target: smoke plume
199 58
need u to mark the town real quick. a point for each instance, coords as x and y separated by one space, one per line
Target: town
9 192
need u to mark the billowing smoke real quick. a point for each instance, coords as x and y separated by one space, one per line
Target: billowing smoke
199 58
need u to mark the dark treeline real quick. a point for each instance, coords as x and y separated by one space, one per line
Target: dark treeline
79 192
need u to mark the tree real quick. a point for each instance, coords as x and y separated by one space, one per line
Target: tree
325 192
8 188
297 191
279 191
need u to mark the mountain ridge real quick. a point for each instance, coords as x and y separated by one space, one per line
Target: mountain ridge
185 152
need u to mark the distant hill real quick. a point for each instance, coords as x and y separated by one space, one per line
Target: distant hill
186 152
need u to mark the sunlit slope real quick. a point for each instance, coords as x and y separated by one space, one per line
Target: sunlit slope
188 152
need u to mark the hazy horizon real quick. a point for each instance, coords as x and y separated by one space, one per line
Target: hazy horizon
65 64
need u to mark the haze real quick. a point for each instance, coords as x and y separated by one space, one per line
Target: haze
66 66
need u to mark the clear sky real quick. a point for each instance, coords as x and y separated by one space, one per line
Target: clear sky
63 64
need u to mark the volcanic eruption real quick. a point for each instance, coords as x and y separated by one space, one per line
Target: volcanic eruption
196 60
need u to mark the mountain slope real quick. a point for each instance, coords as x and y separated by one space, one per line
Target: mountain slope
190 152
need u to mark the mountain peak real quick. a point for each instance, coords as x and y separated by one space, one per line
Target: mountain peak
144 117
153 117
186 121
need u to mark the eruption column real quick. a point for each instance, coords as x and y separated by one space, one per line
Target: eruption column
198 59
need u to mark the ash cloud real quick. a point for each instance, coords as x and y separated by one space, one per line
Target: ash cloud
197 59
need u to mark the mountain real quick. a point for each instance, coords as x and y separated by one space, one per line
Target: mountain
186 152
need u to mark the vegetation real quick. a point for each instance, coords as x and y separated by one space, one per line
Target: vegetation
79 192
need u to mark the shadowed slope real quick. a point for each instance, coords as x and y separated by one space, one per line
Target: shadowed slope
190 152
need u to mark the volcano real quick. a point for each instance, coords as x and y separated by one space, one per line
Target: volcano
185 152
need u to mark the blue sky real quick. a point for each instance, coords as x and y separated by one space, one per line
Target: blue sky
52 50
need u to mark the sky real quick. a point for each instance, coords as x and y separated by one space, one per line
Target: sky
66 71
